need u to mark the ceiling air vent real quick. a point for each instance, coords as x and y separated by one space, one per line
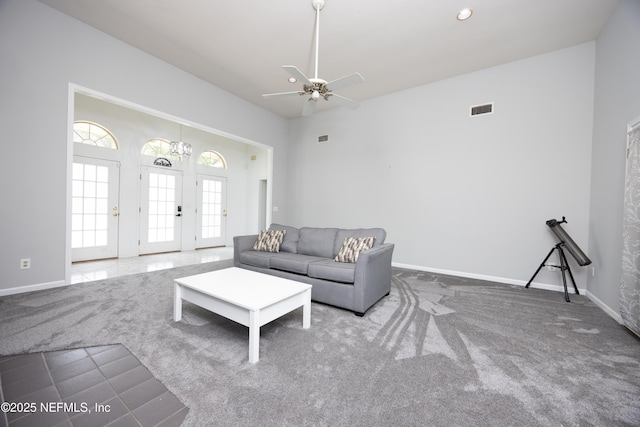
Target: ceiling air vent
482 109
323 139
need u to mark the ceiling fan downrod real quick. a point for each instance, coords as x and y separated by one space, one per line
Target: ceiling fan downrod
317 5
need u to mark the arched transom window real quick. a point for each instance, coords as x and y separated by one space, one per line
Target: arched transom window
213 159
157 147
93 134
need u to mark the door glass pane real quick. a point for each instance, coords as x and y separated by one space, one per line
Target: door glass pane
102 190
102 175
161 222
101 238
88 238
211 209
88 206
90 173
78 171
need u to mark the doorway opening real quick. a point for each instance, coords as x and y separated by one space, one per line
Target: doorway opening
178 212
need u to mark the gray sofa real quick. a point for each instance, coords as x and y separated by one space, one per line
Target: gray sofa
307 255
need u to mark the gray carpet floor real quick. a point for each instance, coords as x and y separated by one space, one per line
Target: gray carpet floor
439 350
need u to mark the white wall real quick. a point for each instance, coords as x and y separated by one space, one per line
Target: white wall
464 195
617 102
43 52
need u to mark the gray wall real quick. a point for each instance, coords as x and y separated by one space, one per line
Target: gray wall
462 195
42 52
617 102
459 194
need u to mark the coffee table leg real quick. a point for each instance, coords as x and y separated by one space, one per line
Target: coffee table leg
254 336
177 302
306 310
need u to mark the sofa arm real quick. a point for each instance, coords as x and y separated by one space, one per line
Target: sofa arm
241 244
372 276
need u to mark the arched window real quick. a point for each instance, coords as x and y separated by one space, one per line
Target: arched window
158 147
213 159
93 134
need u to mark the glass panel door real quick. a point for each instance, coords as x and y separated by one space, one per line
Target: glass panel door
160 210
94 209
211 217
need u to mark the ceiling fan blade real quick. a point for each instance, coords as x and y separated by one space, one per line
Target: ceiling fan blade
345 102
345 81
309 107
266 95
297 74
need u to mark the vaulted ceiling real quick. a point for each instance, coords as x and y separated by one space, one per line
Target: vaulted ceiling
240 46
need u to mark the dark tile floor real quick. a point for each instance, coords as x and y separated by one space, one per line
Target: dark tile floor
95 386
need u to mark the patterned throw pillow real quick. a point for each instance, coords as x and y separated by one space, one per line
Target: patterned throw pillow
269 240
351 248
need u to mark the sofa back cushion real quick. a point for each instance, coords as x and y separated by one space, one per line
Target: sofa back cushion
290 242
379 234
317 241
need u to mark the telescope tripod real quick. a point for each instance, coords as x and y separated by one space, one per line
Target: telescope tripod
564 265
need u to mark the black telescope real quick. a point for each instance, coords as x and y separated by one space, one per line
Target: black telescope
568 242
565 242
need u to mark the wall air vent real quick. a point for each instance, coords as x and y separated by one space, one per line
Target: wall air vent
482 109
323 139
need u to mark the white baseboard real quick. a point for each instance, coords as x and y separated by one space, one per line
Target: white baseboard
615 315
536 285
32 288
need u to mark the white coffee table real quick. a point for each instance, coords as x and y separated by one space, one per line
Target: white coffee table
249 298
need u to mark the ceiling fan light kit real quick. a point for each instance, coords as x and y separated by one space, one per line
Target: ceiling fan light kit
315 87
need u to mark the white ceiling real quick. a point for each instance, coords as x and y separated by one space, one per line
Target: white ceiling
240 46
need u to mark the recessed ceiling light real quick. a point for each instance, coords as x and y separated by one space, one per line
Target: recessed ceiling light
292 80
464 14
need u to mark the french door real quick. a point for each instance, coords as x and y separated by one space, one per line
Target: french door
160 210
94 209
211 214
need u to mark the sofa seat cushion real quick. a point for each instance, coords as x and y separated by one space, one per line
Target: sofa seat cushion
294 263
328 269
256 258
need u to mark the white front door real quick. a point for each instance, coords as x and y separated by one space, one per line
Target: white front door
160 210
211 215
94 209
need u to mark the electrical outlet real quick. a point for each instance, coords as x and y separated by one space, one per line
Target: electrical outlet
25 263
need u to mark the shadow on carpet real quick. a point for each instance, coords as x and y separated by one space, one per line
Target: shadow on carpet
439 350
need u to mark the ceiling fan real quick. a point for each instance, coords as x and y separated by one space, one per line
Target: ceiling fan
316 87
